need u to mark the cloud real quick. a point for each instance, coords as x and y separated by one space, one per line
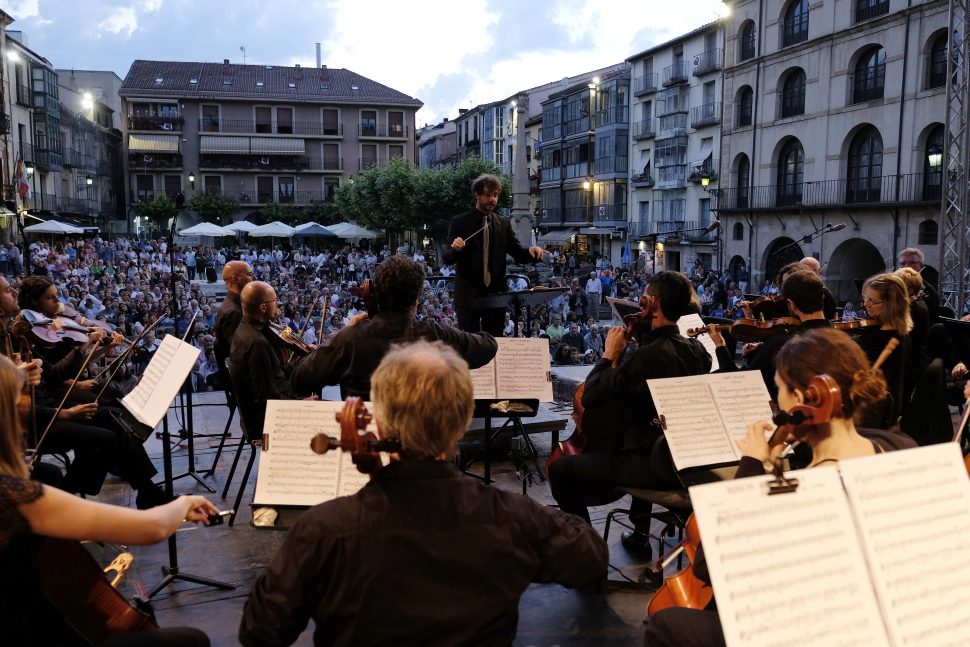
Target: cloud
120 20
24 9
151 6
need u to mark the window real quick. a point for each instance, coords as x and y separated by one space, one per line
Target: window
284 121
331 157
264 189
866 9
368 123
210 118
395 124
264 120
145 186
795 23
704 212
929 232
793 94
744 105
330 186
213 184
368 155
331 121
286 190
936 74
865 166
933 171
869 80
738 231
394 152
173 185
743 181
747 38
791 169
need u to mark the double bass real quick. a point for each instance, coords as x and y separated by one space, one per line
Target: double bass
604 420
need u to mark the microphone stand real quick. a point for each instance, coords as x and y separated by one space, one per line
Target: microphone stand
805 240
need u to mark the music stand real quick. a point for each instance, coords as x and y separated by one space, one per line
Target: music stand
528 298
514 411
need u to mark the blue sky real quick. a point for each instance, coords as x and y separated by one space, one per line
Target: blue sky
449 54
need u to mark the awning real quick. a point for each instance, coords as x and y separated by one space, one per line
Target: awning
596 231
153 143
707 149
557 236
284 145
217 144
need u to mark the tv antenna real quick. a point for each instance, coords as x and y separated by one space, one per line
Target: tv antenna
242 48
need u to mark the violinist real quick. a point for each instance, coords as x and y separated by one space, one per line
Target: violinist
235 274
643 459
917 359
258 374
29 510
828 307
354 353
886 300
803 290
421 555
815 352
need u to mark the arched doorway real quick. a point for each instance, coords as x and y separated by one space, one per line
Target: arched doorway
854 260
780 253
738 268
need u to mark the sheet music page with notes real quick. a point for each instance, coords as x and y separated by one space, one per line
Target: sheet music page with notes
290 473
787 569
706 414
172 362
900 499
519 371
693 320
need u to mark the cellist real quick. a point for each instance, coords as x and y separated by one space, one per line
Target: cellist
816 352
643 459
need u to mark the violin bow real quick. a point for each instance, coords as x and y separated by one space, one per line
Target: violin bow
886 352
306 322
118 363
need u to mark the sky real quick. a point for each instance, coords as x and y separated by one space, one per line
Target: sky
449 54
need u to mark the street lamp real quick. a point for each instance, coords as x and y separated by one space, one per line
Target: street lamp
89 180
192 181
588 188
935 158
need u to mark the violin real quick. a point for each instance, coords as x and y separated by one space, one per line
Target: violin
50 331
364 448
67 310
765 306
684 589
289 339
642 320
869 323
752 329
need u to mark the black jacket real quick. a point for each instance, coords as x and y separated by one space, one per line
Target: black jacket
257 375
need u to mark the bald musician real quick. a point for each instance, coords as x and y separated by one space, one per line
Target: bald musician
236 274
828 307
421 555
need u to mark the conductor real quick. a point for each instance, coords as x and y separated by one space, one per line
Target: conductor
480 241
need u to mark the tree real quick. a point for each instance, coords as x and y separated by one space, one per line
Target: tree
214 208
159 210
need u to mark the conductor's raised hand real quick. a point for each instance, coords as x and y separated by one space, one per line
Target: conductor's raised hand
458 244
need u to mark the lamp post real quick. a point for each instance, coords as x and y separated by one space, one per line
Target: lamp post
29 168
192 180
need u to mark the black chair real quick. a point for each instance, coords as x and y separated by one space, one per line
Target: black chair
245 439
231 403
927 419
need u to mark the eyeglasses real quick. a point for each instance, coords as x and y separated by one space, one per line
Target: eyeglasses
869 302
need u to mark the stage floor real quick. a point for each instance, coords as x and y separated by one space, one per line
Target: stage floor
549 614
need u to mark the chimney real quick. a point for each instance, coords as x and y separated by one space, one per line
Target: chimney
225 61
296 65
318 55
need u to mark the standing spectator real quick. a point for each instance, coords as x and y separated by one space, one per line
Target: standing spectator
594 290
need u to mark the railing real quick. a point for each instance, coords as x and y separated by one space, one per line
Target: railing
47 159
382 130
253 127
644 84
671 176
166 124
155 160
551 174
706 115
704 168
692 231
673 124
642 180
281 197
578 214
24 96
270 162
672 106
26 152
614 115
644 129
371 162
914 188
866 9
676 73
707 62
74 205
137 195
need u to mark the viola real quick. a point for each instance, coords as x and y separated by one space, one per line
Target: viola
684 589
50 331
364 448
642 320
752 329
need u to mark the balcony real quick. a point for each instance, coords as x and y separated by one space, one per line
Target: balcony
154 161
550 216
48 160
683 231
370 162
252 127
673 124
25 97
676 73
270 162
643 85
644 129
706 115
155 123
880 192
704 168
867 10
615 115
385 131
642 181
26 152
280 197
707 62
137 195
74 205
671 177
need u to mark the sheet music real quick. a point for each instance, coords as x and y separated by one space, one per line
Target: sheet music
171 364
787 569
520 370
290 473
693 320
694 431
900 500
706 414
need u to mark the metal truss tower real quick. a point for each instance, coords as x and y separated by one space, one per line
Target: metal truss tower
955 209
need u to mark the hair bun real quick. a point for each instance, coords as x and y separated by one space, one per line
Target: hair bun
868 385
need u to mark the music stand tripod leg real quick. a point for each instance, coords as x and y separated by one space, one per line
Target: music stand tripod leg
222 444
187 412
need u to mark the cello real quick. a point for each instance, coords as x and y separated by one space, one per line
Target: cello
365 448
604 420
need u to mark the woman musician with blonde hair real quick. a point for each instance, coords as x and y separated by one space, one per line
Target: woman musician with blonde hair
886 300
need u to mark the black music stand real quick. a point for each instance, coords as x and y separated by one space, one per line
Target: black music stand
517 409
528 298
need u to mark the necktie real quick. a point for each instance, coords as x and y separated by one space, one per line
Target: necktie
487 279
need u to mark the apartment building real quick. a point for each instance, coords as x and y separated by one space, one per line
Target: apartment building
676 111
437 145
585 164
835 117
262 133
